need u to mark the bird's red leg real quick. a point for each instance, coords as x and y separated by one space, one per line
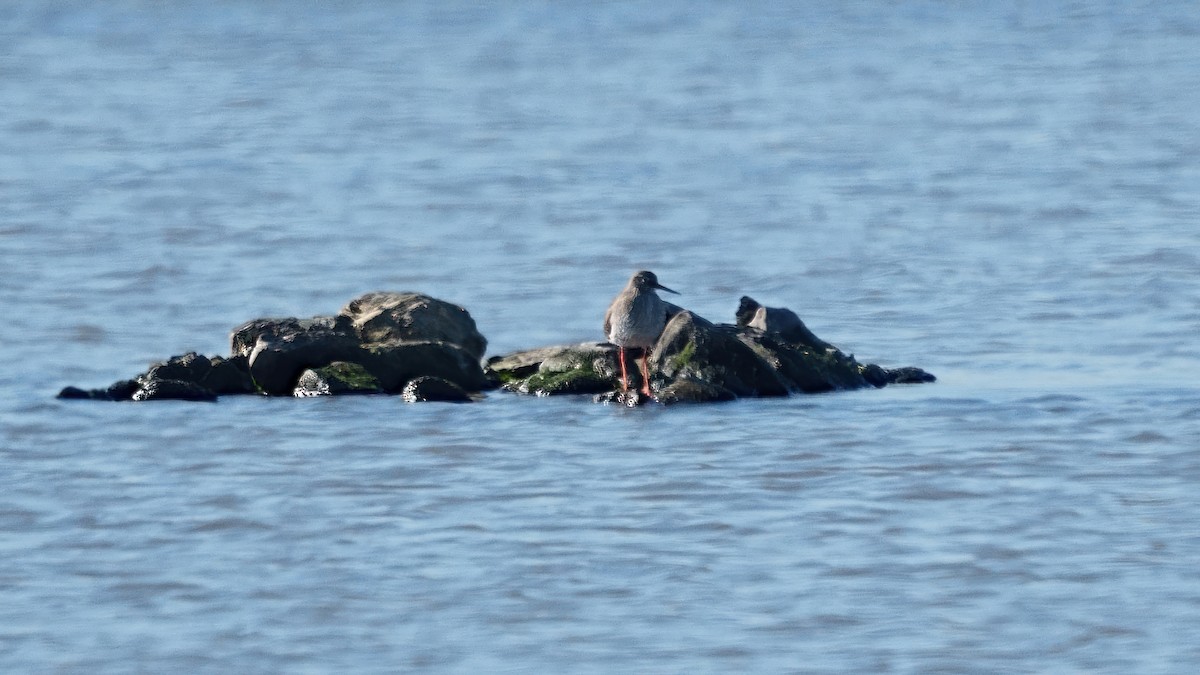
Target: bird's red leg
624 376
646 372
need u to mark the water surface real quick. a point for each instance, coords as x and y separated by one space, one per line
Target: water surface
1003 196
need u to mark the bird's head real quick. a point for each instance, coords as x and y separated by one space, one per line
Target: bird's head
646 279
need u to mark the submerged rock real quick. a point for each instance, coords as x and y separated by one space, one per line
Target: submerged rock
158 389
188 377
336 379
72 393
425 389
121 390
906 375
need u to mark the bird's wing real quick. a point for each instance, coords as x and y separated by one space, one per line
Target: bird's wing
607 322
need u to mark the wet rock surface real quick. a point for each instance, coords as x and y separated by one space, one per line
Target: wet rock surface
388 318
122 390
768 352
379 343
282 349
694 348
336 379
779 320
425 349
188 377
178 390
587 368
395 364
428 389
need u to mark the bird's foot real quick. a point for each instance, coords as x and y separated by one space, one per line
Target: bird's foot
631 398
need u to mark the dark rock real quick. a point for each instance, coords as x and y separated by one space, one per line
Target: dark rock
429 349
178 390
286 348
222 376
395 337
876 376
245 337
230 376
77 394
697 361
804 369
688 390
392 337
747 306
630 399
427 388
779 320
388 317
586 368
395 364
806 362
121 390
190 367
335 379
694 348
908 375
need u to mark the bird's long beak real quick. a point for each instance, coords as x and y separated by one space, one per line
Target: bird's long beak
664 288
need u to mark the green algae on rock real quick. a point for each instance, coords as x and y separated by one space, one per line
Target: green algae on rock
587 368
335 379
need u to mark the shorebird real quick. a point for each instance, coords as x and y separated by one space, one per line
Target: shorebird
635 319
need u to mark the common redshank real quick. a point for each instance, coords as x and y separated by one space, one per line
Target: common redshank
635 319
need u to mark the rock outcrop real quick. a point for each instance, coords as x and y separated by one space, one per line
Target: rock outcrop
425 349
769 352
379 343
390 318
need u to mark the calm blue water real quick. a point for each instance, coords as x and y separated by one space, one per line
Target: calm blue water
1005 196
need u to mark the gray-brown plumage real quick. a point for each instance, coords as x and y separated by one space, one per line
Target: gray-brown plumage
635 319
